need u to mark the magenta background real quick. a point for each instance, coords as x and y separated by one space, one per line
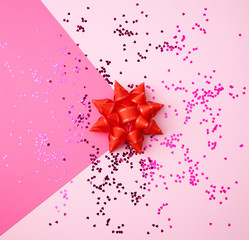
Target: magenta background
31 108
221 49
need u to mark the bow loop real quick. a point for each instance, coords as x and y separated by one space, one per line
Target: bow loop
141 122
116 138
119 92
101 125
135 139
104 106
152 129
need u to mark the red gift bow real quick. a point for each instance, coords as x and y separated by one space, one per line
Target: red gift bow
127 118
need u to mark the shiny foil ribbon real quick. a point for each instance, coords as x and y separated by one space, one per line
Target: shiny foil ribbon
127 118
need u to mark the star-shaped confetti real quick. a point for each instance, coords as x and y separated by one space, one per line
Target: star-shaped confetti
127 117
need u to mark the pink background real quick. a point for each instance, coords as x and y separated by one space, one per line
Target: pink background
190 210
34 113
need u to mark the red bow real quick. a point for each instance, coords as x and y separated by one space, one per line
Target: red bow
127 118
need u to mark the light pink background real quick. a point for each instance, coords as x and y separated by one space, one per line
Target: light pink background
221 49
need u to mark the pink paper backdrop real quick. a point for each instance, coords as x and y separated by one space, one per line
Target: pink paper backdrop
216 41
43 76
